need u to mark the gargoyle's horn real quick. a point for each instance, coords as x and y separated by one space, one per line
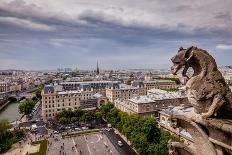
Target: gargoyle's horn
181 48
188 54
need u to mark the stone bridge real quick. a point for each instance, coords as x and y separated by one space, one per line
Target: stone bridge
14 96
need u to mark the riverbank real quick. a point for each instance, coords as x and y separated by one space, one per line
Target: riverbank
4 105
10 112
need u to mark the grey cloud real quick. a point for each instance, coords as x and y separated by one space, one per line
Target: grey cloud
127 35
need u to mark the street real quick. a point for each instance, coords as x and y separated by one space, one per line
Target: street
114 138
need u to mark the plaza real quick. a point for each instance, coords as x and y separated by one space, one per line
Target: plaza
89 144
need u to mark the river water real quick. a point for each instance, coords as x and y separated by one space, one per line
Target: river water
10 112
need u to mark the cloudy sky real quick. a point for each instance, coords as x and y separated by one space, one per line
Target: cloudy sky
120 34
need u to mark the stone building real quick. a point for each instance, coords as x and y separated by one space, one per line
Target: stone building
160 84
167 123
123 91
55 99
4 86
96 86
150 105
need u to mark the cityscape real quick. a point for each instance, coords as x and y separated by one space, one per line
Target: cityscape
115 77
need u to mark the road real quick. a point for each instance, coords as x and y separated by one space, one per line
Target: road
38 112
114 138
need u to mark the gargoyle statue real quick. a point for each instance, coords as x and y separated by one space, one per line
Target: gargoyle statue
207 90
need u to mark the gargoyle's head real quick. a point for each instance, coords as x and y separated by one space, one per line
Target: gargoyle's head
180 60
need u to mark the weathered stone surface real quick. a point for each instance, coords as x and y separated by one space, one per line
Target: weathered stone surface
210 123
207 90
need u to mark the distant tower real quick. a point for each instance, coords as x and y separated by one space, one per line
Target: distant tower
97 68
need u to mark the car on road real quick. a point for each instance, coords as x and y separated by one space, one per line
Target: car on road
84 128
78 129
116 132
67 127
55 132
120 143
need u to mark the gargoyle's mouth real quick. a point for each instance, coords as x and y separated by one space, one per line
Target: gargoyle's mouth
174 70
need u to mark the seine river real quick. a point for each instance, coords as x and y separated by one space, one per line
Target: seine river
10 112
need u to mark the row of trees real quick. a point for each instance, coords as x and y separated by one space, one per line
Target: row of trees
168 78
143 132
69 116
38 92
7 138
28 105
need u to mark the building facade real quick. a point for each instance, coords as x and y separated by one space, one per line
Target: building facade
123 91
160 84
150 105
167 123
95 86
55 99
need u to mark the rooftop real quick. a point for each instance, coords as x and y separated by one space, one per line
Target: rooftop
154 97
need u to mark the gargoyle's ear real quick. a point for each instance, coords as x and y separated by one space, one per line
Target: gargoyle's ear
180 49
188 54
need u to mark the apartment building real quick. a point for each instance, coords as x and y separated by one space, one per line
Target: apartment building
4 86
160 84
150 105
9 87
55 99
96 86
123 91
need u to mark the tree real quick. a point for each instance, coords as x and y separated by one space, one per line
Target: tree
88 116
7 137
74 119
142 132
151 131
63 120
4 126
98 116
26 107
38 92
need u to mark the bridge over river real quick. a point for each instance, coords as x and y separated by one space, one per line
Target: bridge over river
9 103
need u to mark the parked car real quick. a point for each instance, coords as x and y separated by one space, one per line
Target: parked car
67 127
55 132
120 143
78 129
84 128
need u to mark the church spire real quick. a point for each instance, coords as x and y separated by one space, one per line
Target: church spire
97 68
